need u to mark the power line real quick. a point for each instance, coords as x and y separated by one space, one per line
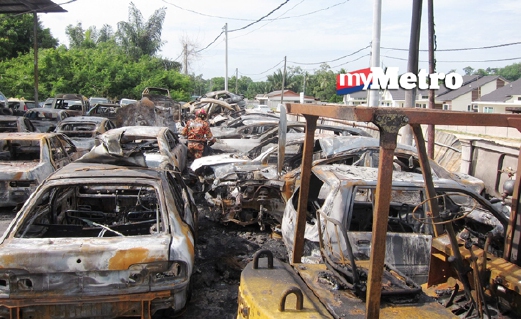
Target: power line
363 56
266 70
206 47
260 19
342 57
460 49
269 21
246 26
239 19
493 60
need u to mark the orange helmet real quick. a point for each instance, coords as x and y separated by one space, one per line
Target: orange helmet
201 113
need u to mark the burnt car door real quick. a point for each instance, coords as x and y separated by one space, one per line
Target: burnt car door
183 200
59 156
176 150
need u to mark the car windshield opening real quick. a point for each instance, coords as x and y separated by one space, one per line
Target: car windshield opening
93 210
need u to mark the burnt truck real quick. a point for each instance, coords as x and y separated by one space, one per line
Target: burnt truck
371 242
73 104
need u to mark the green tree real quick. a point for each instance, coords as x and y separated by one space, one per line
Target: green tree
468 70
16 35
139 37
290 82
510 72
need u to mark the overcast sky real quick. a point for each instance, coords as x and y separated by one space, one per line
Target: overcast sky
310 31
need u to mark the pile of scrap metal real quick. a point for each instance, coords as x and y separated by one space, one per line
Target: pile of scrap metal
219 105
156 108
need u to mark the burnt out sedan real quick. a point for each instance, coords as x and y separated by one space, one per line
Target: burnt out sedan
84 129
26 159
100 241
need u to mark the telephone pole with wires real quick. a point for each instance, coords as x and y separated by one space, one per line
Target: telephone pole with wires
226 57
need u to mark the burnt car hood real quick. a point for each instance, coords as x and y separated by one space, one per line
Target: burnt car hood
47 255
215 160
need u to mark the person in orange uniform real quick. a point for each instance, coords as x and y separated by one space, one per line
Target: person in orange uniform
198 133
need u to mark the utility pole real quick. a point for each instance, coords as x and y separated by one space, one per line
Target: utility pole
432 68
374 95
236 79
35 46
304 86
412 64
283 82
226 57
186 58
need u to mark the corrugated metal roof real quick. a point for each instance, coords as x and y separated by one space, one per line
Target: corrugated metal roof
29 6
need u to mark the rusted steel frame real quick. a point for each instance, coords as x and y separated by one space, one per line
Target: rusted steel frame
512 251
65 300
415 116
389 126
427 177
307 159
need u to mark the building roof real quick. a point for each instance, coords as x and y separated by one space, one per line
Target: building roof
504 93
29 6
470 82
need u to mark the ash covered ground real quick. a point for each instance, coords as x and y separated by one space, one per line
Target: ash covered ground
222 251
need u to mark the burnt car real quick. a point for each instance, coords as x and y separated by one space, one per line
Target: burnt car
107 110
26 159
45 119
340 206
161 147
10 123
364 151
100 241
83 130
74 104
247 188
239 144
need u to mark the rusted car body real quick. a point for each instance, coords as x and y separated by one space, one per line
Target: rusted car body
100 241
9 123
26 159
234 145
364 151
161 147
83 130
46 119
343 197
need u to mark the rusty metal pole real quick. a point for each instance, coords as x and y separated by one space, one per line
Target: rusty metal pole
427 178
389 126
307 158
432 68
